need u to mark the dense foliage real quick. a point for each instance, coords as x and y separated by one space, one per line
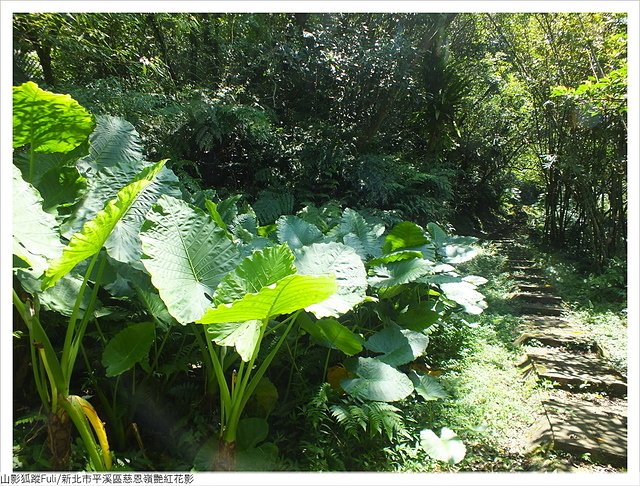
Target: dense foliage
291 255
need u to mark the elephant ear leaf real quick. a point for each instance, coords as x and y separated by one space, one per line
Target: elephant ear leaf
287 295
95 233
187 255
341 261
262 268
48 122
377 381
448 447
128 347
35 233
113 142
297 232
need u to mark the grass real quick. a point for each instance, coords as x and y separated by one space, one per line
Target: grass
492 406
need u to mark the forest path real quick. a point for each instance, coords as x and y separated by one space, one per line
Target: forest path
586 410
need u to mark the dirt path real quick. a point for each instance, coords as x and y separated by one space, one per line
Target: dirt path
586 411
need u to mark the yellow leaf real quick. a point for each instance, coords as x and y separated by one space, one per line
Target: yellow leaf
335 375
96 423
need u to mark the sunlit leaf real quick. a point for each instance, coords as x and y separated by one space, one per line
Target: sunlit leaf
342 262
448 447
187 255
243 336
404 235
48 122
288 295
297 232
95 233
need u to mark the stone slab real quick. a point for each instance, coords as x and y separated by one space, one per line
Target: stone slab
559 340
525 270
529 279
537 308
575 371
549 323
540 289
539 297
580 426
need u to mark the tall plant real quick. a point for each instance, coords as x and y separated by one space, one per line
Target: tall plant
48 127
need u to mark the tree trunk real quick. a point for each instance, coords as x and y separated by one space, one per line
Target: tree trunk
44 54
59 431
225 459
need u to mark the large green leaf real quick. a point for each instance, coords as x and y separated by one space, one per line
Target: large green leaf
366 239
404 235
330 333
36 235
465 294
128 347
347 267
95 233
417 316
395 256
113 142
46 163
400 346
59 298
448 447
288 295
427 387
260 269
123 243
297 232
187 255
61 189
377 381
47 121
398 273
243 336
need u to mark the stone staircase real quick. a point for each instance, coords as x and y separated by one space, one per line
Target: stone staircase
586 411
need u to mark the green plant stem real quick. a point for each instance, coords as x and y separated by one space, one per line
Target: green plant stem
71 328
77 340
38 337
225 396
326 364
249 382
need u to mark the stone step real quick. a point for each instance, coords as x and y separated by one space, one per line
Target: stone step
559 340
529 279
574 371
548 323
538 297
579 426
521 262
541 309
540 289
526 270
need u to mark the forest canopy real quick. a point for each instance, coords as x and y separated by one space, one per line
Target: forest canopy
462 118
